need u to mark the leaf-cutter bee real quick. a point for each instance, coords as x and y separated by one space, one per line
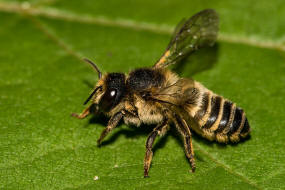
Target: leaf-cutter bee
158 96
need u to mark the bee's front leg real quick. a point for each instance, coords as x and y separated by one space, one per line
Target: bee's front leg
83 114
159 130
113 122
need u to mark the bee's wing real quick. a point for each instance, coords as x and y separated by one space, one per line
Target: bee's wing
198 31
176 31
177 94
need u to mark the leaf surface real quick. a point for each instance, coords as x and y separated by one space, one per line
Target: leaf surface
43 80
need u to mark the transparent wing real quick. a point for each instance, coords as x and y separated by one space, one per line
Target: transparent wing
198 31
176 31
178 93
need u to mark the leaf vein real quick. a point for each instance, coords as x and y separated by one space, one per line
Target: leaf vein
226 167
131 24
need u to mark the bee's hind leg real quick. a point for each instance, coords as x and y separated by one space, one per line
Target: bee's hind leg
159 130
183 128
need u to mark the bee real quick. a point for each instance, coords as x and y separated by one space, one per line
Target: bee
158 96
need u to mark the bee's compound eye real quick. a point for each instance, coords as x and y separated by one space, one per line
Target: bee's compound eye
108 99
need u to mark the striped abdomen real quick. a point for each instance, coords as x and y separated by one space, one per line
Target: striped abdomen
221 120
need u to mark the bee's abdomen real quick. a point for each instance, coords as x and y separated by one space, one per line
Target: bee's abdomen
220 119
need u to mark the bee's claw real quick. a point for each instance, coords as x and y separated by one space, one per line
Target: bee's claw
74 115
146 175
192 170
99 143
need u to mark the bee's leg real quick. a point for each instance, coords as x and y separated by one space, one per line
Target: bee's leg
83 114
112 123
160 129
183 128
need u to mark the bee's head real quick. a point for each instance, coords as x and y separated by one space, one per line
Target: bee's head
114 90
109 90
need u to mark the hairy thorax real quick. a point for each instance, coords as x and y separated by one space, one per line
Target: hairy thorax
141 83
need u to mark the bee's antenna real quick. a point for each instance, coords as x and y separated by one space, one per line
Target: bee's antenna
92 94
94 66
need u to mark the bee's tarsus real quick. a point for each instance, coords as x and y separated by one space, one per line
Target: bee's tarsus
99 143
78 116
146 176
74 115
193 169
150 140
82 115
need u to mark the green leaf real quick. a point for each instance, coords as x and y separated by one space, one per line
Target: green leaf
43 80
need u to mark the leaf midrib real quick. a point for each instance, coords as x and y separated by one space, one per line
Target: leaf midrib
57 14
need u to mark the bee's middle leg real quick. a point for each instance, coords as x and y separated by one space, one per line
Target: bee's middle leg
160 129
183 128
